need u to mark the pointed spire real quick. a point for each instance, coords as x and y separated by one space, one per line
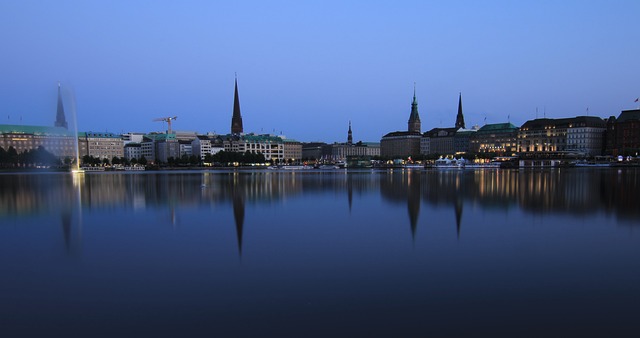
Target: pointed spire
460 117
60 119
349 135
236 119
414 118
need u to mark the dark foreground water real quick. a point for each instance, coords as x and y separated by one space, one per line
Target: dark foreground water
330 254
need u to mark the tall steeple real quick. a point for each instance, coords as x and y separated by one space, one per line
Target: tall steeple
460 117
414 118
349 135
60 120
236 119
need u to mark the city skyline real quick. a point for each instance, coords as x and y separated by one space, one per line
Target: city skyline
306 70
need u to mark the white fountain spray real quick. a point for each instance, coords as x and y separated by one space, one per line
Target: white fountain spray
72 105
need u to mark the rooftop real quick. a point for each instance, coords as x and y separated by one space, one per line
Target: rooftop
34 130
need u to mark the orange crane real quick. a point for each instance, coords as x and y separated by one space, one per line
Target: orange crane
168 120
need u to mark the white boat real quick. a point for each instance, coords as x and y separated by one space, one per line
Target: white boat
447 163
490 165
296 167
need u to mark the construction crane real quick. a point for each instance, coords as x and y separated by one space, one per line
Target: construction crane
168 120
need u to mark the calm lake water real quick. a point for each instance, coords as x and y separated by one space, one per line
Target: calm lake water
321 253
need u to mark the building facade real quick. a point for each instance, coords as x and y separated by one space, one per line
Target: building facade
100 145
500 139
56 140
623 134
292 150
438 141
582 135
272 147
404 143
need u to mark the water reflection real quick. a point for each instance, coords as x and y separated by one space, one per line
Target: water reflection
398 253
573 192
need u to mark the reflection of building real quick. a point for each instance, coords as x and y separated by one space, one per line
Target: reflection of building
100 145
404 143
623 133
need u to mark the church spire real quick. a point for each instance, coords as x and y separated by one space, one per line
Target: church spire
460 117
414 118
60 120
236 119
349 135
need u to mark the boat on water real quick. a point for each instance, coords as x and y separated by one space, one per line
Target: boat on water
289 167
591 164
489 165
449 163
88 169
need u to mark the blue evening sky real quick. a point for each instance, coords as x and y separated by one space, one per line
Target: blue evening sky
305 68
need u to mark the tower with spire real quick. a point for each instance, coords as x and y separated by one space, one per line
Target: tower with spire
60 119
414 118
236 119
460 117
349 135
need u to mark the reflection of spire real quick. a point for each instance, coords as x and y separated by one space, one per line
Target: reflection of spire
413 200
238 215
350 190
458 210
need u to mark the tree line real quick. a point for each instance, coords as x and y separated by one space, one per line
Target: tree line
10 158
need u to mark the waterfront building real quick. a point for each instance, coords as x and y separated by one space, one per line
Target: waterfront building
313 150
185 148
581 135
132 137
166 146
292 149
148 149
56 140
341 151
462 140
272 147
404 143
500 139
623 134
132 150
206 144
447 141
100 145
438 141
